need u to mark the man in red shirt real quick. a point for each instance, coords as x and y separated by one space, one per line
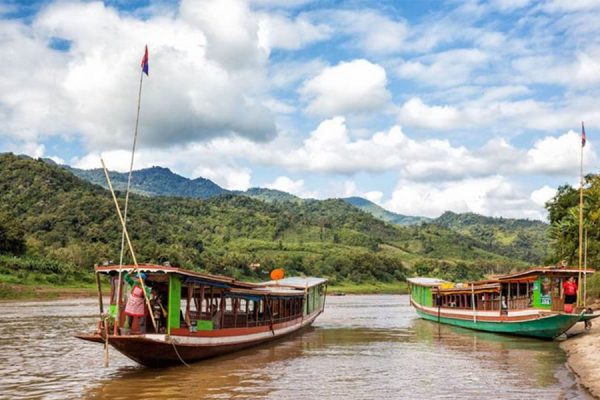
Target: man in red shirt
570 289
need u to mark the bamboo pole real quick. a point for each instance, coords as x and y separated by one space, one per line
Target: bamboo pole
128 241
584 299
580 226
135 134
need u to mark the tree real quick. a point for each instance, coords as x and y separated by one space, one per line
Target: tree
12 236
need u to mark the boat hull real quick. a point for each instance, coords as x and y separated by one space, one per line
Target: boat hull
542 327
162 350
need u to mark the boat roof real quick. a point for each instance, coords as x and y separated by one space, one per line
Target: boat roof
292 286
491 284
551 270
422 281
153 268
296 282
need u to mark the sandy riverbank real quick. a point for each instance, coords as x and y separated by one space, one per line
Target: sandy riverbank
583 355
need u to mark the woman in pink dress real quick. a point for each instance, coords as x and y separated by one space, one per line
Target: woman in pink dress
136 304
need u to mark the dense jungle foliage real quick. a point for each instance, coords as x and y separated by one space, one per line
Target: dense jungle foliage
49 218
563 211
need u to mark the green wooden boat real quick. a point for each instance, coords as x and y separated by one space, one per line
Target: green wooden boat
529 303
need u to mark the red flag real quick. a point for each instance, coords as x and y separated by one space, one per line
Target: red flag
145 61
582 135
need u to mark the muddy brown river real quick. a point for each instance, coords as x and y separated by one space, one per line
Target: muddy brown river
362 347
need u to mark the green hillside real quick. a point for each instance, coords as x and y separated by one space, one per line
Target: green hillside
382 213
523 239
54 224
269 195
155 181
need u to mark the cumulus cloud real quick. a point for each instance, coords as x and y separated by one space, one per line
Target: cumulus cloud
448 68
416 113
371 31
494 195
286 184
486 111
542 195
358 86
206 75
295 187
278 31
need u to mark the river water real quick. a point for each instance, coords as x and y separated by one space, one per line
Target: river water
362 347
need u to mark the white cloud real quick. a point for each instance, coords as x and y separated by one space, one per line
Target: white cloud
562 6
542 195
357 86
277 31
491 110
375 196
582 72
288 185
555 155
416 113
228 177
448 68
494 195
510 5
372 31
206 75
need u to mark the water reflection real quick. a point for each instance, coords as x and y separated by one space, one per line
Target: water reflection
363 347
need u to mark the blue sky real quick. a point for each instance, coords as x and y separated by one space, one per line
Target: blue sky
419 106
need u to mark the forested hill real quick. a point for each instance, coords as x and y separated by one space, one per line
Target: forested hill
382 213
155 181
519 238
56 215
159 181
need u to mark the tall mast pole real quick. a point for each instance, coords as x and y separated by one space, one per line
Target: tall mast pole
579 301
123 232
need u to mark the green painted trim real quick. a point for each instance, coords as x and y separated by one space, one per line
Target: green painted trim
543 328
174 302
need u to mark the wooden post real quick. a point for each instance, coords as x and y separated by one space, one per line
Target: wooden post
247 311
187 318
223 306
201 300
473 302
100 302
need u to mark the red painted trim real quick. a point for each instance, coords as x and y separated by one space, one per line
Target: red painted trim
241 331
469 316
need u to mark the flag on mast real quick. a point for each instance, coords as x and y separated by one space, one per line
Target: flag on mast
145 61
582 135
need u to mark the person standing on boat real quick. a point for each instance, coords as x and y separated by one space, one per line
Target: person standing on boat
570 290
136 306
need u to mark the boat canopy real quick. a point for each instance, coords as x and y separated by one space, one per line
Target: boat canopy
296 282
288 287
532 273
421 281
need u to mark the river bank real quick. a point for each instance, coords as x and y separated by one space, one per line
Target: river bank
583 356
10 292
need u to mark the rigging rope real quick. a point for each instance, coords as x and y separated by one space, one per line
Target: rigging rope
178 356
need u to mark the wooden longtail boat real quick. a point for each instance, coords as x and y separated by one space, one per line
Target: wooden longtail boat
528 303
205 315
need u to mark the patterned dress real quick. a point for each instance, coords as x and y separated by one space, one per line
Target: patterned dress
135 303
